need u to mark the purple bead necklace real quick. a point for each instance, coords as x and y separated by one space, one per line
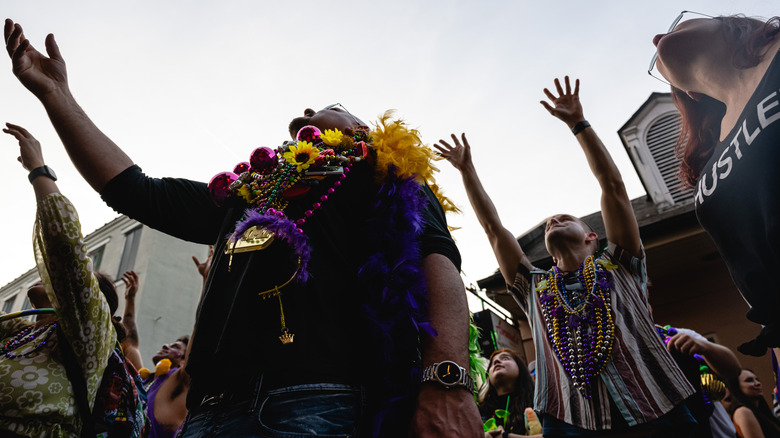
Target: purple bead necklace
26 336
581 332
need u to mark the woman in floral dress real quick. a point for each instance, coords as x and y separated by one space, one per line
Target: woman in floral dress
36 397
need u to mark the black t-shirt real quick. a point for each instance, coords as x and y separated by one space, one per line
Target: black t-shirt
236 333
738 199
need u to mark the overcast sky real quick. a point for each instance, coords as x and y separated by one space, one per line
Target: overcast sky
189 88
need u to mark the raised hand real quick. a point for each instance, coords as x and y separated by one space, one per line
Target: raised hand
459 155
130 279
566 106
38 73
30 154
686 344
204 267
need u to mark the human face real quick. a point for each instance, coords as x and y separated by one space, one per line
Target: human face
561 230
37 295
173 352
331 117
681 50
503 368
750 385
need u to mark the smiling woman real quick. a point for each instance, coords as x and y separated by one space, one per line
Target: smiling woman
751 414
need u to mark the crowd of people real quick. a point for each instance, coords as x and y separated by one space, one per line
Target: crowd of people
332 303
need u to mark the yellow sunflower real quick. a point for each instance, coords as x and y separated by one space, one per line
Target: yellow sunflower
245 193
331 137
302 155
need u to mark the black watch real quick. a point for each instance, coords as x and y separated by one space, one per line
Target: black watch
42 171
448 374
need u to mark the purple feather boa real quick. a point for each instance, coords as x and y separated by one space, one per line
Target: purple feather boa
396 305
283 228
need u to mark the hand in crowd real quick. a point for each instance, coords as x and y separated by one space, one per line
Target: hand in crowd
204 267
566 106
686 344
495 433
38 73
458 155
130 279
30 154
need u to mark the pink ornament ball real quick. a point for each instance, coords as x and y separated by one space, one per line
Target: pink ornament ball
241 168
263 160
219 186
308 133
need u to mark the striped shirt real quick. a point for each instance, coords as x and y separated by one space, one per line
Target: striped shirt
641 378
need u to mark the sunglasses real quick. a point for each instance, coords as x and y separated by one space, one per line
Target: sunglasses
676 21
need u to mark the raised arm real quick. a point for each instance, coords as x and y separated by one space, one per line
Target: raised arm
31 157
505 246
719 358
131 342
619 219
95 156
83 314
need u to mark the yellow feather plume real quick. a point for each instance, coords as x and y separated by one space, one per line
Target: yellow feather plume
399 147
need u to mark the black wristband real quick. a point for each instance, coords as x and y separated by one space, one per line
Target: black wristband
505 434
579 127
42 171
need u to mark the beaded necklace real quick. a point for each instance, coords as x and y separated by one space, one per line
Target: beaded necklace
579 325
26 336
273 178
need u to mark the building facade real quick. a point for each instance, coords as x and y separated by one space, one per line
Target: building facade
169 283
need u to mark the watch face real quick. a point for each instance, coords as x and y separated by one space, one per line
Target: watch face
448 373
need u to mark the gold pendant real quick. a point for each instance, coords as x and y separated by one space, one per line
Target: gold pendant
286 337
253 239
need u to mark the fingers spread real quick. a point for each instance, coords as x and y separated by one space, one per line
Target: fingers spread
568 84
558 87
547 106
455 139
577 87
465 141
549 95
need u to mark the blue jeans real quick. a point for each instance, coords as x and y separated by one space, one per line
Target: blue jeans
301 411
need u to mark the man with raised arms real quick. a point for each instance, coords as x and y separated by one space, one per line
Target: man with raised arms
601 368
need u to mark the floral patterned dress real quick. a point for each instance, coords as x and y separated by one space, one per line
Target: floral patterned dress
36 397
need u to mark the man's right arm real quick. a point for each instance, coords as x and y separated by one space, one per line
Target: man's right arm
158 203
96 157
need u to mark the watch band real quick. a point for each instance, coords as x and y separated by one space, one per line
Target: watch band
429 375
42 171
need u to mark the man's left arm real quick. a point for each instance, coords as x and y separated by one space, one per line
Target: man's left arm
443 412
620 222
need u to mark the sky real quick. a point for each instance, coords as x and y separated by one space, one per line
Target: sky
190 88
